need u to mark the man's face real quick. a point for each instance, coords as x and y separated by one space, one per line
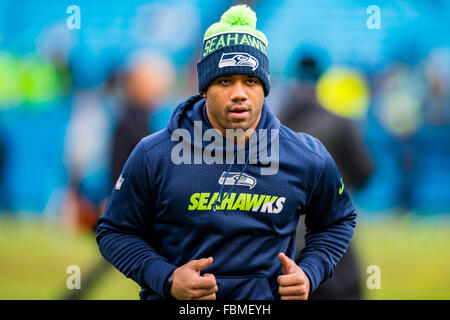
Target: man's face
234 102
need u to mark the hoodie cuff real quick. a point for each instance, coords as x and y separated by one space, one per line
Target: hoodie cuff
315 269
156 273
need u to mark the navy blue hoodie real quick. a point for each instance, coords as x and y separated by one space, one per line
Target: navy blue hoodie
160 214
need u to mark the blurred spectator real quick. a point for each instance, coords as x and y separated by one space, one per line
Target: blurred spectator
303 113
107 121
411 105
429 190
86 157
146 81
429 173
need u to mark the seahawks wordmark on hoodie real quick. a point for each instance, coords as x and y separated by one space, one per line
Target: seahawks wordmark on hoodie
161 215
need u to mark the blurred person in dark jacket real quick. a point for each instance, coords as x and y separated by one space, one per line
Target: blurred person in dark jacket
147 79
303 113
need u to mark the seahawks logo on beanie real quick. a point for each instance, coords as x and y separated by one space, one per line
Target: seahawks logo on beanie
238 59
234 46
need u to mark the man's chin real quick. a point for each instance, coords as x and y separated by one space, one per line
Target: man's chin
239 126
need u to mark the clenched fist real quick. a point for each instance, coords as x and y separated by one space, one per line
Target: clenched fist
189 285
293 282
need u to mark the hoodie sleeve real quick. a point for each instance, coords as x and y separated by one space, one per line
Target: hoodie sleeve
330 221
125 227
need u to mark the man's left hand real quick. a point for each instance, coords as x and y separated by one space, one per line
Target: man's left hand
293 282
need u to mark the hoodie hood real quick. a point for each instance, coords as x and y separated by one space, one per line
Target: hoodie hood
194 109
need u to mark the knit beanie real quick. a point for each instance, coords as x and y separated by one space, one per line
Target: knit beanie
234 46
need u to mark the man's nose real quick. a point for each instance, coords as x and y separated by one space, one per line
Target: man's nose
239 92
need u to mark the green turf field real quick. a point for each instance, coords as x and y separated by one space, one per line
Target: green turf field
413 256
35 256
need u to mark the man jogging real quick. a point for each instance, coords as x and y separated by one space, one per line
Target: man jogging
202 211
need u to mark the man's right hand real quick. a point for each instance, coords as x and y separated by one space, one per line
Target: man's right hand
188 284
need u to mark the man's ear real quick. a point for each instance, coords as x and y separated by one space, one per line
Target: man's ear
204 94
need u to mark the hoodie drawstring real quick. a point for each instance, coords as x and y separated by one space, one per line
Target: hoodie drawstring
218 201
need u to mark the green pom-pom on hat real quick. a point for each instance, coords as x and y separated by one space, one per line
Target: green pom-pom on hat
240 15
240 18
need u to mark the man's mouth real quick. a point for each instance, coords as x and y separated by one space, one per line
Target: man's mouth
239 112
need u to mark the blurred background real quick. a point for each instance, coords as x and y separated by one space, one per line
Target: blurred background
82 81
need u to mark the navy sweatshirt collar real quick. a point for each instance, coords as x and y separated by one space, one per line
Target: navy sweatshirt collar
194 109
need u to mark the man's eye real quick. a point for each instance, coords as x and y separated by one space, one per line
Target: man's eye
251 81
224 81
